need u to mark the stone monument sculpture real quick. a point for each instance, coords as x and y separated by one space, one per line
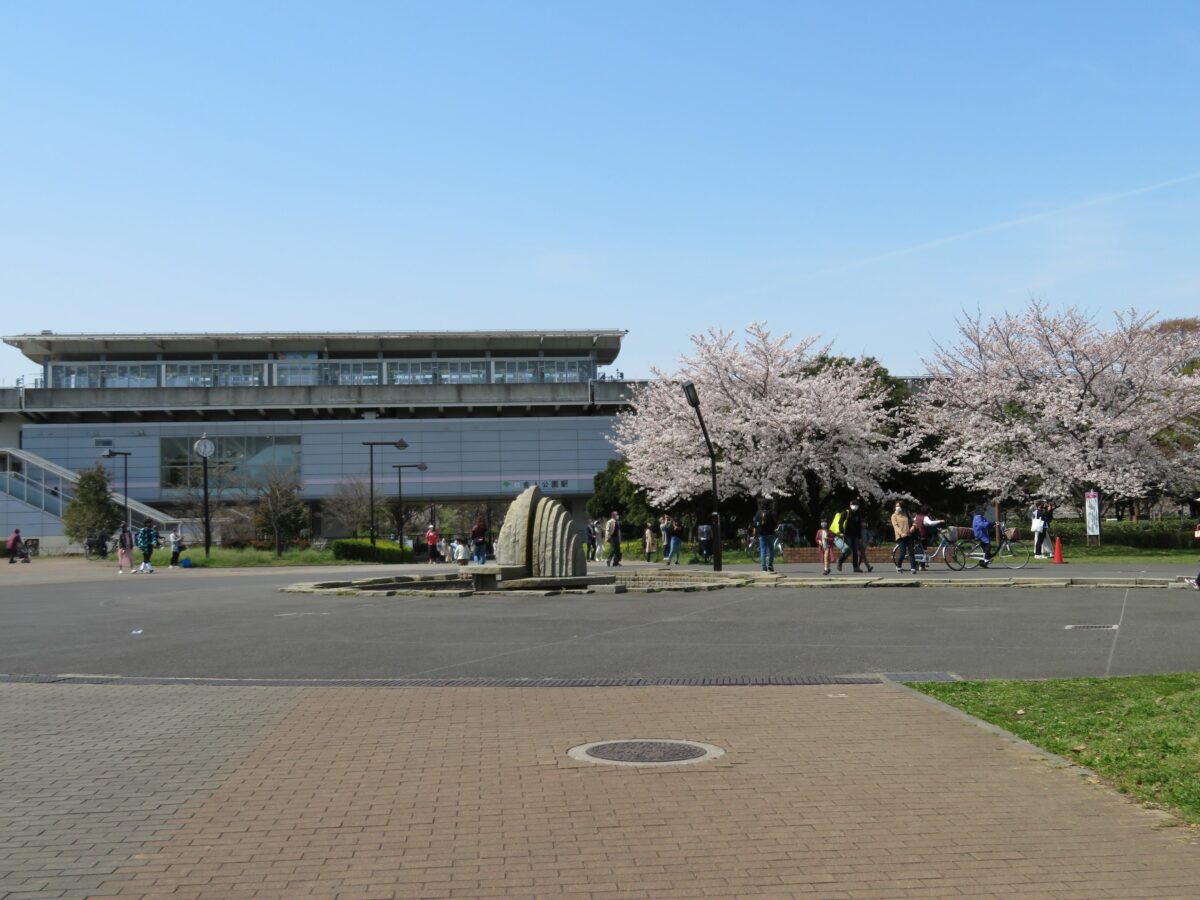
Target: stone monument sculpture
540 539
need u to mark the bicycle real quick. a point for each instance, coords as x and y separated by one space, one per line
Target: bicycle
950 552
753 549
1011 553
95 548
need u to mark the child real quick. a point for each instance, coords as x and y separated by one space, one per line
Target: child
827 546
461 554
124 550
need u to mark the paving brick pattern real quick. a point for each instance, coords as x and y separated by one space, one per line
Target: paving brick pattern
93 780
850 791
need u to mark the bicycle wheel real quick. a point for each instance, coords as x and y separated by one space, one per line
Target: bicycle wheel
971 553
1014 555
896 556
955 555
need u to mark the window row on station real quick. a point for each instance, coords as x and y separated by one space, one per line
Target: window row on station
315 372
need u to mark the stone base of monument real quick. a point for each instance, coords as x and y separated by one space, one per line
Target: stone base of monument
517 578
475 580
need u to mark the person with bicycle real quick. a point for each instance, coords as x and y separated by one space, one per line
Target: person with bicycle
765 526
905 536
983 533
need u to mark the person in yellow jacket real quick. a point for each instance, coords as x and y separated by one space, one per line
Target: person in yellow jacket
902 526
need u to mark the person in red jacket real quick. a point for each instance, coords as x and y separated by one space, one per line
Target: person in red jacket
431 541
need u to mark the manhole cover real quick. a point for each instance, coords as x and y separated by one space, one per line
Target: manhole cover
645 752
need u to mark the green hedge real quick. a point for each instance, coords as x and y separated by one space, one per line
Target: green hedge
359 549
1162 533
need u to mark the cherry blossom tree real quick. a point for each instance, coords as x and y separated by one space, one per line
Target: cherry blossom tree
786 420
1053 405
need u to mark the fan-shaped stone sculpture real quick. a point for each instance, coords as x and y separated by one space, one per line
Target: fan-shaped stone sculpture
539 536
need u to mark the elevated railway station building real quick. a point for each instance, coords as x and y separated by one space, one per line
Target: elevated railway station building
488 413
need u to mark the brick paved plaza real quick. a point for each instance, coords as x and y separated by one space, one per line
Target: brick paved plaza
824 791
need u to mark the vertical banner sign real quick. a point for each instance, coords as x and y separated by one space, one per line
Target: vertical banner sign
1091 506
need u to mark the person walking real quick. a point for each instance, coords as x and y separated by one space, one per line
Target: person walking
648 541
124 542
176 541
765 526
479 541
826 546
852 530
675 536
591 541
905 535
147 541
664 525
16 547
983 533
612 537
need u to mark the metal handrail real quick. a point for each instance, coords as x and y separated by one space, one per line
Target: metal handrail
32 460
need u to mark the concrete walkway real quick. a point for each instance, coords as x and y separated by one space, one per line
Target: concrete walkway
849 791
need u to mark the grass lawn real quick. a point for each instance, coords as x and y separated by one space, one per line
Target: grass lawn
1141 733
1118 554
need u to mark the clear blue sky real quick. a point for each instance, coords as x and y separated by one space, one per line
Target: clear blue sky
857 170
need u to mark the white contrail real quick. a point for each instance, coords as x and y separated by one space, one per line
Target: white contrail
1002 226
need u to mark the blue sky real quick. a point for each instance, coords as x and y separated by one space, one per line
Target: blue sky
861 171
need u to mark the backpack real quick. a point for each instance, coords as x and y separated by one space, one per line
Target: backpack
766 522
835 527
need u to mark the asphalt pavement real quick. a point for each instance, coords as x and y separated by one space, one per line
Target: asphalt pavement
236 624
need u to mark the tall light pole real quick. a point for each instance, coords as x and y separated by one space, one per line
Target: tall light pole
420 467
371 445
110 453
693 399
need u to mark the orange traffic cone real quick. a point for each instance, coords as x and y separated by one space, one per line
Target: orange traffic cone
1058 550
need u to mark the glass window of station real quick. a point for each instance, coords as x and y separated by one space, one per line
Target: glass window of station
237 457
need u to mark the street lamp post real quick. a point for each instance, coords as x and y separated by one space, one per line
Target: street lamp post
420 467
693 399
371 445
110 453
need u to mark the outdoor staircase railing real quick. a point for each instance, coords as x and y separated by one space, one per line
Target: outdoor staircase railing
48 486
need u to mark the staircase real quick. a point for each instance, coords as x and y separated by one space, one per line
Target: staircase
49 487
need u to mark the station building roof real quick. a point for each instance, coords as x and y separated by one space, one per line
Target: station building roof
48 346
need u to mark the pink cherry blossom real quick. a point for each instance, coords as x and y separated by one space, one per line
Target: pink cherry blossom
785 419
1044 404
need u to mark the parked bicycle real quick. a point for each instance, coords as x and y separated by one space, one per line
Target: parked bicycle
753 548
95 548
1010 553
949 551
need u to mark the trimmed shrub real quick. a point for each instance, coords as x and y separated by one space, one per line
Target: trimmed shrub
359 550
1150 533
